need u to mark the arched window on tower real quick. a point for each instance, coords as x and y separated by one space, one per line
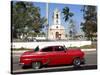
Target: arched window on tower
57 16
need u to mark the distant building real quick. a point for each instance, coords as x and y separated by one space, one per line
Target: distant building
56 31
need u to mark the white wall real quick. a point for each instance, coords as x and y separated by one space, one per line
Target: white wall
42 44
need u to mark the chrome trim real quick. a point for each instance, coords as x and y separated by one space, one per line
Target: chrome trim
27 59
21 63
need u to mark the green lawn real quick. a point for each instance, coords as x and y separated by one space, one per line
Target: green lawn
82 47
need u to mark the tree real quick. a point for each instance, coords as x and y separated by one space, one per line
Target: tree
67 13
25 18
89 26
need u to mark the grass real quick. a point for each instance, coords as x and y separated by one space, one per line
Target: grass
81 47
86 46
20 49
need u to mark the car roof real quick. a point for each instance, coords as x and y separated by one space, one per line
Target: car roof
41 47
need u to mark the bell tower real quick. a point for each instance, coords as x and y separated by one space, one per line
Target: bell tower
56 30
56 17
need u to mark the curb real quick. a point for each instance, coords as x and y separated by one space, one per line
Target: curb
19 51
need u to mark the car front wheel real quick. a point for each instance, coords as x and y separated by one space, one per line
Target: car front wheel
76 62
36 65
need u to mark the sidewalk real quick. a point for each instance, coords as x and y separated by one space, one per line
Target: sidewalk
89 49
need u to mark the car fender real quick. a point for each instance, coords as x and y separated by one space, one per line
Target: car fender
44 61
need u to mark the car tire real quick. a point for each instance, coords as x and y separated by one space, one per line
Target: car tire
24 67
76 62
36 65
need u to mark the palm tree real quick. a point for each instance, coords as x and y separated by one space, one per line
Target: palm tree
67 13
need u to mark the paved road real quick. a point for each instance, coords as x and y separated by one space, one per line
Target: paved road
90 56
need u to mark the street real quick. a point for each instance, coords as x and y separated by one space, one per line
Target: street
90 57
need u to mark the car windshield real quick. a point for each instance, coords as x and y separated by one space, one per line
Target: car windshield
36 49
64 47
47 49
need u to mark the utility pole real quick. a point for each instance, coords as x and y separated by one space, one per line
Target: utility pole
47 24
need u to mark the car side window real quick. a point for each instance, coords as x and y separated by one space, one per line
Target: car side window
47 49
59 48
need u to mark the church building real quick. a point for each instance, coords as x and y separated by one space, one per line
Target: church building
56 31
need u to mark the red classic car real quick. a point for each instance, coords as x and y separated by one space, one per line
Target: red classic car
52 55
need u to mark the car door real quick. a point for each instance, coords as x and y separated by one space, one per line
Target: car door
49 54
60 55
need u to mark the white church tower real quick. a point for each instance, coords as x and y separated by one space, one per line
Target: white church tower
56 17
56 31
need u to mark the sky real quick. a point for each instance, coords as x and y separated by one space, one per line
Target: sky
76 9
